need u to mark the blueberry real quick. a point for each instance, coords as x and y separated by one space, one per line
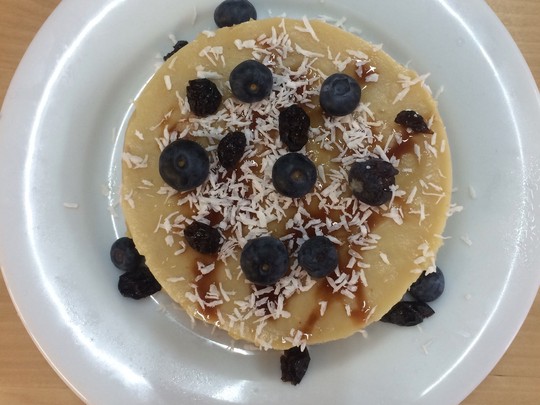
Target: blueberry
371 179
318 256
203 97
202 237
231 149
293 127
294 364
340 94
294 175
264 260
412 120
179 45
251 81
125 255
408 313
139 283
184 165
428 287
232 12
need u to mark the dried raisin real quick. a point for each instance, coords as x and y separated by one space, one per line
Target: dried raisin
231 149
202 237
408 313
203 97
414 121
179 45
294 364
294 127
139 283
371 181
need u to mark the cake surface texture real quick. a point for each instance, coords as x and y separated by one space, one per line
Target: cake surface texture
382 249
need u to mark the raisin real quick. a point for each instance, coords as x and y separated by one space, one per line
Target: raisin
179 45
202 237
231 149
411 119
423 309
294 364
371 181
203 97
293 127
408 313
139 283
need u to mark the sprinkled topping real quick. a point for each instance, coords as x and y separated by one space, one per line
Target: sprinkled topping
406 83
466 240
307 28
135 162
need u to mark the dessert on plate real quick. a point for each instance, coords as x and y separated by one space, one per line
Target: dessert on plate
286 180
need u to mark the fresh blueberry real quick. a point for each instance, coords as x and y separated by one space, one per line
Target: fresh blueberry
408 313
293 127
232 12
264 260
184 165
318 256
340 94
203 97
428 287
251 81
294 175
370 181
138 283
202 237
231 149
125 255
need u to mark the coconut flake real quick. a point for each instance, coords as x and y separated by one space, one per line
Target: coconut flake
307 28
466 240
209 34
384 258
323 305
472 192
308 54
168 82
175 279
135 162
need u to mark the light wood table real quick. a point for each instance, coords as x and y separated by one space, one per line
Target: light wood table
25 376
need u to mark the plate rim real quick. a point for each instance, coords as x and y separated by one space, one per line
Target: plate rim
59 14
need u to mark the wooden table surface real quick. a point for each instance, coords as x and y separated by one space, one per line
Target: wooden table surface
25 376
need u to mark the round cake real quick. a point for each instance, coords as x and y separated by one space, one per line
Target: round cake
382 249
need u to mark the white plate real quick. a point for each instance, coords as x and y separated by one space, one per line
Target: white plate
61 132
